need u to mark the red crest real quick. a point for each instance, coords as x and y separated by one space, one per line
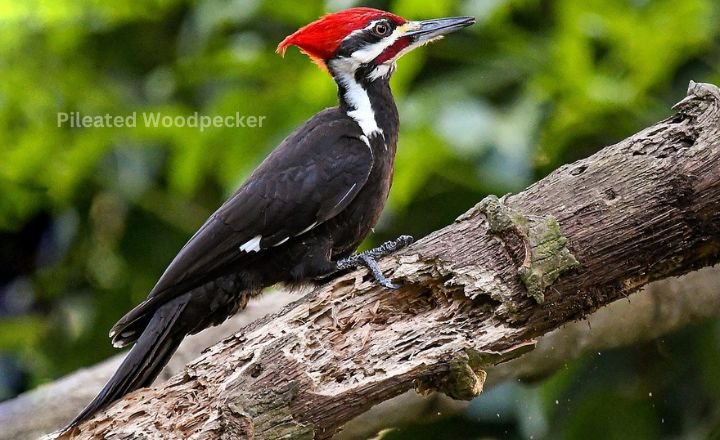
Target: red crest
321 38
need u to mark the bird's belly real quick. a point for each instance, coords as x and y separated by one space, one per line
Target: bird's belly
348 229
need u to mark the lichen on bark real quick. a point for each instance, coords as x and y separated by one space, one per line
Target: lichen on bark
546 255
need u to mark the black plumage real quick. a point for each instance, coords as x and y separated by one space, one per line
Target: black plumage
324 175
298 217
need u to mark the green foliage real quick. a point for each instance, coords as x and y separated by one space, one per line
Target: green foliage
609 59
536 83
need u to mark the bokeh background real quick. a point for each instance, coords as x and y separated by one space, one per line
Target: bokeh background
89 218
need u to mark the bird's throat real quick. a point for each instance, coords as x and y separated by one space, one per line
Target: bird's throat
369 102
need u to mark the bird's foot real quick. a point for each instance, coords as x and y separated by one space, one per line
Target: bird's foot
369 259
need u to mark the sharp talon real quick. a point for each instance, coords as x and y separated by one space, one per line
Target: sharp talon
390 285
376 272
368 258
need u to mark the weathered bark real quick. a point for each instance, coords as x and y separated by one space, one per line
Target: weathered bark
659 308
40 411
475 293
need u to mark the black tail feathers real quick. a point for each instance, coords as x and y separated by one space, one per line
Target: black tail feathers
145 360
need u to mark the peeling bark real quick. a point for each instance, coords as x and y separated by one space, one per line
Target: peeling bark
659 308
641 210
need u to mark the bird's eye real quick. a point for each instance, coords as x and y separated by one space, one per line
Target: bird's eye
381 29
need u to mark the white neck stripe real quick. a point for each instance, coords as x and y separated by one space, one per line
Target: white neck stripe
357 97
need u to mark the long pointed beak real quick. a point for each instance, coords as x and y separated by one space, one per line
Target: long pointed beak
427 30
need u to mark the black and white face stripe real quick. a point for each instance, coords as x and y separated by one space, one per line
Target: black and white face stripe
368 54
356 54
371 40
357 98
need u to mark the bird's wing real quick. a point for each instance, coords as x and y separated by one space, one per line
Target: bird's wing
311 177
292 191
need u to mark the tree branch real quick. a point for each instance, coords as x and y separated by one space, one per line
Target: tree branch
40 411
659 308
476 293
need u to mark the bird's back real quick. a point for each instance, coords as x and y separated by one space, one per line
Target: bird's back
290 199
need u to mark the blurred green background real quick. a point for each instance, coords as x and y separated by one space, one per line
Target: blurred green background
89 218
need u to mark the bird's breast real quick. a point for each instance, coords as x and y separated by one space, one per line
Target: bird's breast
351 226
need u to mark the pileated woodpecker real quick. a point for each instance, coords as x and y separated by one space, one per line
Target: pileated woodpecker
302 213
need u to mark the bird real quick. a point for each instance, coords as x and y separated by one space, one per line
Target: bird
302 213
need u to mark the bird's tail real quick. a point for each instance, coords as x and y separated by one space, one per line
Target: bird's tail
145 360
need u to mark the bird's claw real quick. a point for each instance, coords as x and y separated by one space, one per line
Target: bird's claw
368 259
376 272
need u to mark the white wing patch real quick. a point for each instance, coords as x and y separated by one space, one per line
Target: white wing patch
252 245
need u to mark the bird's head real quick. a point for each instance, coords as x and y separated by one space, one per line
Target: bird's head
367 38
